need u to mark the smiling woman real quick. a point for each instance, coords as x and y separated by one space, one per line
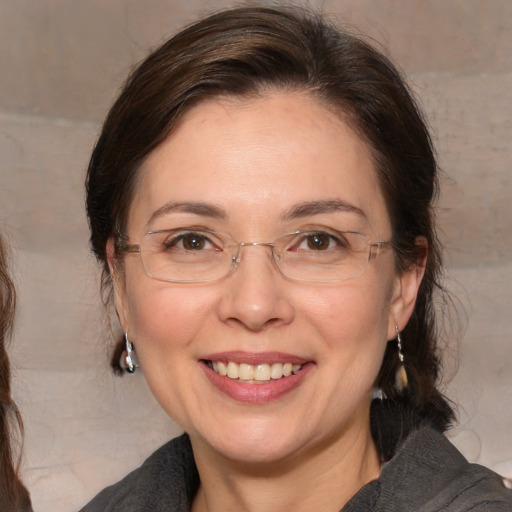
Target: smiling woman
261 201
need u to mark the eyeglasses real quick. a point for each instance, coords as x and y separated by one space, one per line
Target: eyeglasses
197 256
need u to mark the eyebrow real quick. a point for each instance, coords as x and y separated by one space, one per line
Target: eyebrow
296 211
195 207
323 206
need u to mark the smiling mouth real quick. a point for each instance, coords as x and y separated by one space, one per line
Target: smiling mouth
254 373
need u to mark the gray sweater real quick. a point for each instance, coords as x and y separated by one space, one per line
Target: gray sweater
426 474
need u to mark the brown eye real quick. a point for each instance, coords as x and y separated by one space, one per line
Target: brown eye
318 241
193 242
188 241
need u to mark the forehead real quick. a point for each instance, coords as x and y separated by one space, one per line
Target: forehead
257 158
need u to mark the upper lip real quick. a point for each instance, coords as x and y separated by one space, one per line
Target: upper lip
254 358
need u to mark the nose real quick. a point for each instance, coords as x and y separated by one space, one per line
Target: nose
256 293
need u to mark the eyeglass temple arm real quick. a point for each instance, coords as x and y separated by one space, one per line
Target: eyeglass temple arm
378 247
123 246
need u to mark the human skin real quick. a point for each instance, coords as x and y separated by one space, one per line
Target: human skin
254 160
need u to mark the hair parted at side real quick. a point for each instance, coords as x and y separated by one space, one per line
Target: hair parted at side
252 51
13 495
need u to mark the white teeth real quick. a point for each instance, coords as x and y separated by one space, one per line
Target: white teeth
276 371
260 372
222 368
233 370
246 372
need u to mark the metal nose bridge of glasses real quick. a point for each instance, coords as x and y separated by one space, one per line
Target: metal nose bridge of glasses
237 258
275 257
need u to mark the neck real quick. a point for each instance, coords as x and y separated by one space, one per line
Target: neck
323 479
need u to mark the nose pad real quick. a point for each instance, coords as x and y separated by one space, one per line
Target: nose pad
273 256
255 297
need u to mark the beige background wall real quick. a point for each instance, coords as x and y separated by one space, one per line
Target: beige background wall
62 62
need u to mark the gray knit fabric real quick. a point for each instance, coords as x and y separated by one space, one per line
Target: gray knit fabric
427 474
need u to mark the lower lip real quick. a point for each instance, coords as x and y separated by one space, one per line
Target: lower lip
256 393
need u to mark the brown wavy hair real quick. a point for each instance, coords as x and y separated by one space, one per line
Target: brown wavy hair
247 52
13 495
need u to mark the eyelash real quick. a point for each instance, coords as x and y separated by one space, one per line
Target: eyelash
338 240
181 236
199 238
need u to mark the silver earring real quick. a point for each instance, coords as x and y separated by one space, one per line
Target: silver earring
401 375
130 360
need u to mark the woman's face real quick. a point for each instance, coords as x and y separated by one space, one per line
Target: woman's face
257 169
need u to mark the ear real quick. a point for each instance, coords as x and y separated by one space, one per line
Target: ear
405 291
118 285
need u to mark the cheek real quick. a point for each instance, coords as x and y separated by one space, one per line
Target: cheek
352 322
349 309
164 318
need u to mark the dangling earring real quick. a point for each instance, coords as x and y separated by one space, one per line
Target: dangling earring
401 375
130 360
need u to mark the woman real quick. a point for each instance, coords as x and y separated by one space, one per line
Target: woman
260 198
13 495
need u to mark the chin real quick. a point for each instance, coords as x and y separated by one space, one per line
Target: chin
258 443
257 453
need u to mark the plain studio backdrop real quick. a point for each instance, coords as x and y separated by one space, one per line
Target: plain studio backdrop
62 64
